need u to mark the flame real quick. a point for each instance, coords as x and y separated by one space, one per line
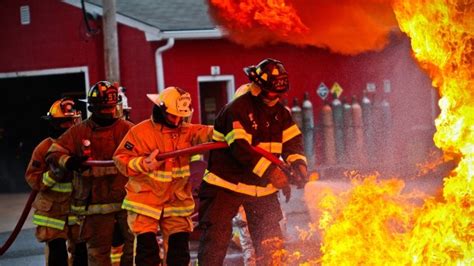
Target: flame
344 26
442 38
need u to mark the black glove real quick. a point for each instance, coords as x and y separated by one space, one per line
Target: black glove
277 177
75 163
300 175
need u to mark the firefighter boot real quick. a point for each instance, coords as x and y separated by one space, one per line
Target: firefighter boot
178 249
147 253
57 252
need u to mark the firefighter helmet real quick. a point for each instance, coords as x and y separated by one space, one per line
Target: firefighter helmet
269 75
173 100
63 109
103 94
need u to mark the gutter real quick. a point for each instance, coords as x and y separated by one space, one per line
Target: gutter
160 77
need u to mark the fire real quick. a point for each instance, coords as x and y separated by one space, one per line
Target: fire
343 26
442 38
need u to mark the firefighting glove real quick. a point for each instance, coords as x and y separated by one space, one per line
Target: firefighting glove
277 177
300 175
150 163
75 163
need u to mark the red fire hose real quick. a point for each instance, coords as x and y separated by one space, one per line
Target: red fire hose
19 224
192 150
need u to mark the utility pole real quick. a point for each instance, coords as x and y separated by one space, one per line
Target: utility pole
111 52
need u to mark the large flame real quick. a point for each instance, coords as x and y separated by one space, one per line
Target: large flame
344 26
442 38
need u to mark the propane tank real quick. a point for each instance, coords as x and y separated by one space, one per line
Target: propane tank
387 129
357 125
308 130
348 132
338 118
329 143
296 112
368 119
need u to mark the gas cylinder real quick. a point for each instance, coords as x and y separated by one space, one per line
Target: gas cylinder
338 118
296 112
357 125
308 130
329 144
368 120
348 132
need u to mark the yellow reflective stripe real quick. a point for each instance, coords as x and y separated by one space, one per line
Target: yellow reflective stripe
238 133
62 187
72 220
273 147
96 208
115 257
178 211
48 222
293 157
47 180
261 166
161 176
181 172
217 136
290 133
196 157
240 187
141 209
135 165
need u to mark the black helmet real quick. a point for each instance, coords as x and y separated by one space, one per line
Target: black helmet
103 94
269 75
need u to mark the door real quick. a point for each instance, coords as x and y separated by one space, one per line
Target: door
25 100
214 93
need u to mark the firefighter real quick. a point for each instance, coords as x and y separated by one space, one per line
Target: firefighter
239 176
159 193
98 191
54 226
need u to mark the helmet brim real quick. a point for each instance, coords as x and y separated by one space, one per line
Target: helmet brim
154 98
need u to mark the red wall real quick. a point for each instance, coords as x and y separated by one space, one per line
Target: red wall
57 38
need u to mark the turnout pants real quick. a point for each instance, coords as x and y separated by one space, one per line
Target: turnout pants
217 207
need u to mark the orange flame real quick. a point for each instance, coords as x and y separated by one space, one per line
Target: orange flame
442 38
345 26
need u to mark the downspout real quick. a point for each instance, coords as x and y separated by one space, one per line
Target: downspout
160 77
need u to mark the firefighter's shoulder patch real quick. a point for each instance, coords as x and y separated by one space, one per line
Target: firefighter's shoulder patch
129 146
36 163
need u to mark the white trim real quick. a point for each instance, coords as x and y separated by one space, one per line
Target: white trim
51 71
151 33
230 87
185 34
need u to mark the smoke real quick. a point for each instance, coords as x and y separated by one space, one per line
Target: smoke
346 26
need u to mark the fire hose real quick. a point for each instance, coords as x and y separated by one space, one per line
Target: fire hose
187 151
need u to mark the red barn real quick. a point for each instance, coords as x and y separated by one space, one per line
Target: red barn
51 49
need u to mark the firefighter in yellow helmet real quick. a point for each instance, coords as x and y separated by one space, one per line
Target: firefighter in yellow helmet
159 192
54 225
98 191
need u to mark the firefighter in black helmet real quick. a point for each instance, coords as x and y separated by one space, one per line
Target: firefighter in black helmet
98 191
240 176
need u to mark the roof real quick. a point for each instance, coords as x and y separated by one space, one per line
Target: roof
161 19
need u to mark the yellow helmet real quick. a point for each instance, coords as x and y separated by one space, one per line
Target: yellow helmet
62 109
173 100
